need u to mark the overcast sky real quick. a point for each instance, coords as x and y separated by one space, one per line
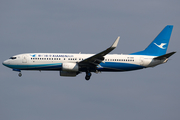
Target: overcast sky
62 26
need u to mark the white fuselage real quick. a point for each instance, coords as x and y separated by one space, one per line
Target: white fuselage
72 64
54 61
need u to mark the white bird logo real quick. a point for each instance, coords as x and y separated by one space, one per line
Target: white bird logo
161 45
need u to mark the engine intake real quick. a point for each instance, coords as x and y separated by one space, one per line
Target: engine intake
70 67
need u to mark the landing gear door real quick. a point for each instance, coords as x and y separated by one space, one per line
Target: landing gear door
24 59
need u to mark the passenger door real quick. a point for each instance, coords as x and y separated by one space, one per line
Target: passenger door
24 59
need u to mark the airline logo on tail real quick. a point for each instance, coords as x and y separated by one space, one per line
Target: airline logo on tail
161 45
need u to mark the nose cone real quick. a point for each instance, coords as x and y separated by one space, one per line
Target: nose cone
5 63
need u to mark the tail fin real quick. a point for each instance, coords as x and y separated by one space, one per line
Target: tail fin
159 45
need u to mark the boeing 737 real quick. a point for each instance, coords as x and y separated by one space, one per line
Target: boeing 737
71 64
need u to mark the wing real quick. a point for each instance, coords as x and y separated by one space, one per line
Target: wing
96 59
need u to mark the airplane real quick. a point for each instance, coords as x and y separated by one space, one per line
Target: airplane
70 65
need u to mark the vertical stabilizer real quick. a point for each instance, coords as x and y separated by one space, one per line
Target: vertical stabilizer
159 45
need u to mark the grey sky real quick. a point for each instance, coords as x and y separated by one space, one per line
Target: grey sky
88 27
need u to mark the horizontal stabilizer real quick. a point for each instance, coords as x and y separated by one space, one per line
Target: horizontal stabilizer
164 56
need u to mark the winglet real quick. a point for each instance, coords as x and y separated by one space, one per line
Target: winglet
114 45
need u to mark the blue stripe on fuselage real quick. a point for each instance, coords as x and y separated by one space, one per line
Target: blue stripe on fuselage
37 67
116 66
107 66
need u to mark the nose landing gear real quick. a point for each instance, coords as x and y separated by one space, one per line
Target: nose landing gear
20 74
18 70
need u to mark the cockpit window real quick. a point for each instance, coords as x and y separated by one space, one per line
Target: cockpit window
12 58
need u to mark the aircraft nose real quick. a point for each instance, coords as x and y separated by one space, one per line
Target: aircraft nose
5 62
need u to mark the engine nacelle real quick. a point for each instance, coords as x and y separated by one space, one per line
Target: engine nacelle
68 73
70 67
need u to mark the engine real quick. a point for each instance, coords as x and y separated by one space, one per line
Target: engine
70 67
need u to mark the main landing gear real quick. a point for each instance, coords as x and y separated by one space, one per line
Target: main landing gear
20 74
88 75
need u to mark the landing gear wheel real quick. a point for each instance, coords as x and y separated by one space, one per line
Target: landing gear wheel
88 75
20 74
